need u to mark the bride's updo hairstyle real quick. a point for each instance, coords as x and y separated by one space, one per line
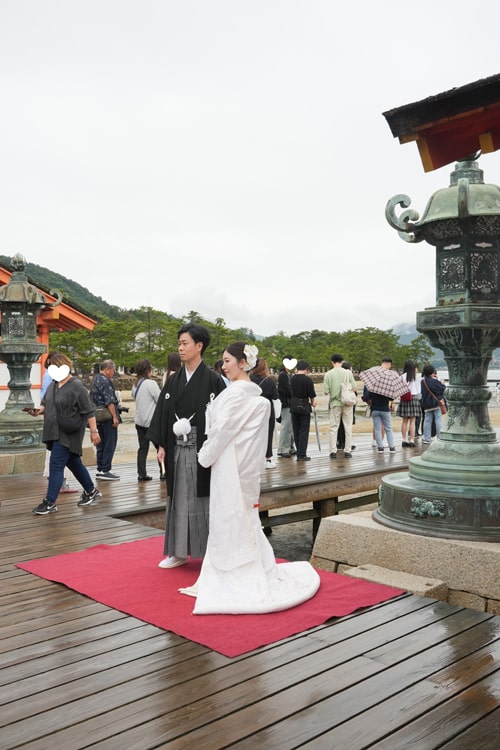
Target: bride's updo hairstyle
241 350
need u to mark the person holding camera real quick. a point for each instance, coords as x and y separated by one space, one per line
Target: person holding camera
103 394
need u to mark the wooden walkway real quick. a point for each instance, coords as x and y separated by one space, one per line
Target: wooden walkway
76 674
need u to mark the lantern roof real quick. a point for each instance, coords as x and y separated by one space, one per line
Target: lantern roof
452 125
64 317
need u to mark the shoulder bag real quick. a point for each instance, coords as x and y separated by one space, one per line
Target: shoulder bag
299 405
347 395
103 414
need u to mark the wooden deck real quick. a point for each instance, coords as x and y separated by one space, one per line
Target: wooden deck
76 674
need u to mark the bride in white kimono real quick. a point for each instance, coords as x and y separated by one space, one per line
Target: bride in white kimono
239 573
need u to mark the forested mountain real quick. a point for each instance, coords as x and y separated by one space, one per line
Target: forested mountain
127 335
74 294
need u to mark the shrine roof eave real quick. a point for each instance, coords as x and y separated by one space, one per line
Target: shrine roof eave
452 125
63 317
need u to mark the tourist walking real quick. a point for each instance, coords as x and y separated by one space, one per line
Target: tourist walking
341 430
262 377
337 411
302 402
286 445
46 381
381 412
67 410
103 394
432 393
410 404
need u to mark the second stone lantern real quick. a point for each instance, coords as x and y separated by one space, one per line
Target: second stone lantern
453 489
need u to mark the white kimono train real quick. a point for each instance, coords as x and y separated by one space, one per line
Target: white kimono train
239 574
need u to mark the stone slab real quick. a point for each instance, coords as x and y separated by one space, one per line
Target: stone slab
421 585
493 606
25 462
29 462
356 539
464 599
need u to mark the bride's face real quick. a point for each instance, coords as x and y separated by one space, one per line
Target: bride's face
231 367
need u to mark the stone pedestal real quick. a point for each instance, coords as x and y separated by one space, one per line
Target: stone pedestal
469 569
28 462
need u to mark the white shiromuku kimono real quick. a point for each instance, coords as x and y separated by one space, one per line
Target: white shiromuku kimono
239 574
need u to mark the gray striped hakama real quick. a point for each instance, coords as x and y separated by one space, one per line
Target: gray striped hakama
187 514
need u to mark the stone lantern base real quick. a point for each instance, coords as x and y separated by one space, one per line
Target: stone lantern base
440 509
19 431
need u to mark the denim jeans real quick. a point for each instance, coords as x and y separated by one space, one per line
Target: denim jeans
383 418
432 414
60 457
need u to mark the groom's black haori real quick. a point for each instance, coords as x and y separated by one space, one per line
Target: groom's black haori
182 398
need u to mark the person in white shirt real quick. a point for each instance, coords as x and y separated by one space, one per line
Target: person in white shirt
409 407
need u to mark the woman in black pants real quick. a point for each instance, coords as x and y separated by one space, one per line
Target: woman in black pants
302 401
261 375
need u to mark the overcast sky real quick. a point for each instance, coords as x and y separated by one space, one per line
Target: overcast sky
229 157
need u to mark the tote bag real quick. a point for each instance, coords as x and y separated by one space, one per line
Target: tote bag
347 396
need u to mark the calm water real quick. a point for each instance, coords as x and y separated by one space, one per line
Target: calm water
493 377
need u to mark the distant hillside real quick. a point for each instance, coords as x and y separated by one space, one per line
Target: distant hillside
73 293
407 332
82 299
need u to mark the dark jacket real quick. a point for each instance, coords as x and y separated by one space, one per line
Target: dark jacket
73 401
178 399
303 387
284 388
437 388
379 402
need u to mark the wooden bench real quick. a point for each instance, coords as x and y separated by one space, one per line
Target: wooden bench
327 486
330 486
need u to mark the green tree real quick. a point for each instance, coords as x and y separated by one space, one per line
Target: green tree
419 350
78 346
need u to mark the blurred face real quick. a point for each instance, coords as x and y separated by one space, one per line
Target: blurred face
189 350
233 368
109 372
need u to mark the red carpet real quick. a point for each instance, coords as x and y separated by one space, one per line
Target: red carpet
126 577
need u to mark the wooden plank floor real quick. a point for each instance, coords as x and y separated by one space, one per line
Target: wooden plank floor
411 672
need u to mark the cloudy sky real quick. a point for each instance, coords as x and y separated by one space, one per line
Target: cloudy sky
229 157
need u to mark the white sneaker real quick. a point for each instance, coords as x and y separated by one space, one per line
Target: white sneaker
374 443
172 562
270 464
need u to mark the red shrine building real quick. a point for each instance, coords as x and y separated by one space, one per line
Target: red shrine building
63 317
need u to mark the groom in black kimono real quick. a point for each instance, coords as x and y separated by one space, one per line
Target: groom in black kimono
178 427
